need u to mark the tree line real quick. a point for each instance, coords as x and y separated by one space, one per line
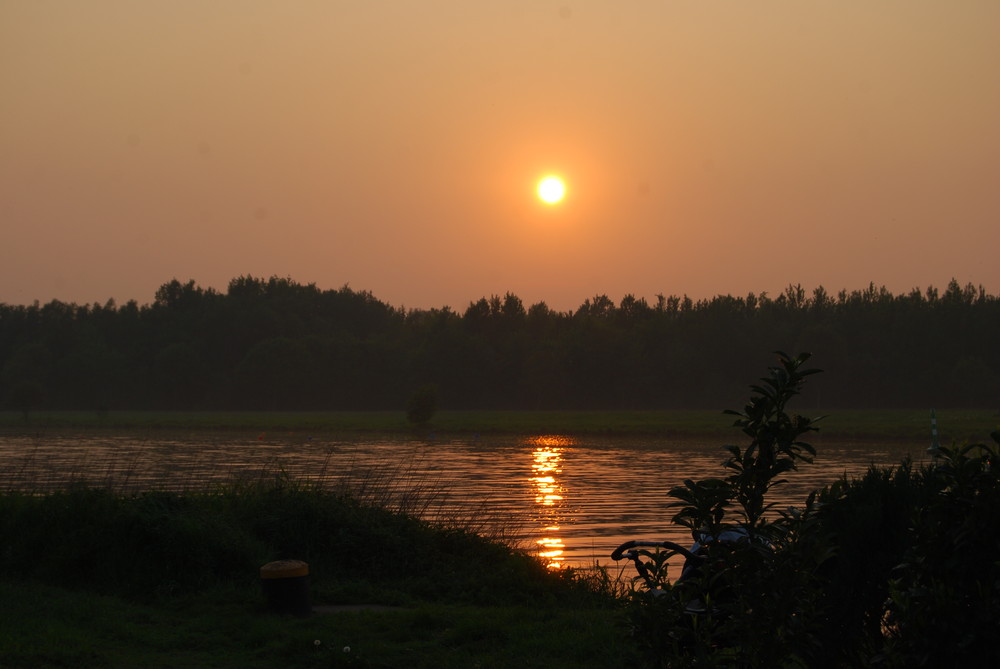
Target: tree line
277 344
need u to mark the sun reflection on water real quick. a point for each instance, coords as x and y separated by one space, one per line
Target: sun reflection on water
546 466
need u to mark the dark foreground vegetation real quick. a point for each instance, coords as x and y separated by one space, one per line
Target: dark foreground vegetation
277 345
91 578
895 569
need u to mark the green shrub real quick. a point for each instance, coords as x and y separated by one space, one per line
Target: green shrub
866 523
945 593
752 602
898 568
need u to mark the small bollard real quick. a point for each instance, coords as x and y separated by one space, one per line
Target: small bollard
286 587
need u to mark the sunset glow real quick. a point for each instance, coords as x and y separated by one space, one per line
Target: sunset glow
398 147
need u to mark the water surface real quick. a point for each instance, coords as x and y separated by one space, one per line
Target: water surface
570 499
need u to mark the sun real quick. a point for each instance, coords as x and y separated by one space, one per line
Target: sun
551 190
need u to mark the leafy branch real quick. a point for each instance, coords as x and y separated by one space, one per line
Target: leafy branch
775 448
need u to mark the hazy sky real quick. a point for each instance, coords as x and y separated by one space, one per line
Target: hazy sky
708 147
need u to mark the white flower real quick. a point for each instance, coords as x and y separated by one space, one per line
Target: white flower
317 642
347 649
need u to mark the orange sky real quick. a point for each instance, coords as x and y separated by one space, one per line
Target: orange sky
709 147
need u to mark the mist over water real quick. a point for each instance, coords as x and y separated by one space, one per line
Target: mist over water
571 500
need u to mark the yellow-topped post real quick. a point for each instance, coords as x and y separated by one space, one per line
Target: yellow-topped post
286 586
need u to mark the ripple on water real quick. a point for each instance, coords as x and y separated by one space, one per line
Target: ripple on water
573 499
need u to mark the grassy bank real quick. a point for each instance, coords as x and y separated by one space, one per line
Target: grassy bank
46 626
903 424
97 579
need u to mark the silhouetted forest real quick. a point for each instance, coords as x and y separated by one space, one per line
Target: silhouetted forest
276 344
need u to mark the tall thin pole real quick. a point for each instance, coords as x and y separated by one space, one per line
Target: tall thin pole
935 443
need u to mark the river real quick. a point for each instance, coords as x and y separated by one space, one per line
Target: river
571 500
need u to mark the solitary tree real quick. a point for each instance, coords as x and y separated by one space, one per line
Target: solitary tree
422 405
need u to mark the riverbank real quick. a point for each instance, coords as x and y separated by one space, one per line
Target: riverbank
91 578
958 425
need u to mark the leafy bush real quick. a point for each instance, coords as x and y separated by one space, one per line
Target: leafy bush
915 580
866 521
754 601
945 594
897 568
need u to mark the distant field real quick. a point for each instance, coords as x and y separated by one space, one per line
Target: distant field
954 424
